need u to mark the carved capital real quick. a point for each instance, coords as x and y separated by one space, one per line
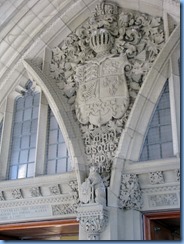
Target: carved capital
130 192
93 219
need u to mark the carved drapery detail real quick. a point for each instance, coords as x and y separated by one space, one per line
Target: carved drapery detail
130 192
93 219
111 36
156 177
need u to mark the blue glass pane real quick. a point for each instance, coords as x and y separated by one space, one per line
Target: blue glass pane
20 103
32 155
23 156
13 172
25 142
51 167
62 151
53 137
26 128
34 126
61 166
33 140
52 152
27 114
16 143
22 171
18 116
17 129
31 170
28 101
14 157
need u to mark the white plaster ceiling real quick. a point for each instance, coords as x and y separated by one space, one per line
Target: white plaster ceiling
28 26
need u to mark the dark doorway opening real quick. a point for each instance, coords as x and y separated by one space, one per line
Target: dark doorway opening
162 225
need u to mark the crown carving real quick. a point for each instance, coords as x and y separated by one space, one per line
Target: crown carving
105 10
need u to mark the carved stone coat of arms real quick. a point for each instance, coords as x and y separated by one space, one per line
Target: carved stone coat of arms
102 92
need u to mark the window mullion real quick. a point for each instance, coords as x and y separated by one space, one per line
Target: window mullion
41 136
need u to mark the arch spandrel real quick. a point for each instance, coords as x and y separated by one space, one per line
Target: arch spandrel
132 137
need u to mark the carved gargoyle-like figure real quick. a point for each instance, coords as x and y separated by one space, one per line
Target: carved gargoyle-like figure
93 189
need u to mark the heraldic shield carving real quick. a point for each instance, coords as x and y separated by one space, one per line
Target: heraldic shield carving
102 92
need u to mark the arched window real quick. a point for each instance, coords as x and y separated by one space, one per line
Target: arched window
158 142
57 157
24 132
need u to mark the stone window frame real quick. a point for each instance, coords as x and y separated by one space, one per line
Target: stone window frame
6 114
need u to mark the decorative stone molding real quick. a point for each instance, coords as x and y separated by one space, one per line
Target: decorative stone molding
93 219
160 189
35 192
17 194
130 192
178 175
156 177
55 190
113 42
159 200
57 199
64 209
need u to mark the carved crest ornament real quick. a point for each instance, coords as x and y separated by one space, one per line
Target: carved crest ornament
100 68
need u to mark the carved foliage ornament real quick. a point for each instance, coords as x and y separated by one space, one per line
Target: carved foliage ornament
93 219
135 36
156 177
130 192
100 68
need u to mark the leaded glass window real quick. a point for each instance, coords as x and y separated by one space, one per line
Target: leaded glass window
24 132
158 142
57 157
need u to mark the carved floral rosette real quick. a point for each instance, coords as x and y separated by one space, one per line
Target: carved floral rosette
93 219
136 36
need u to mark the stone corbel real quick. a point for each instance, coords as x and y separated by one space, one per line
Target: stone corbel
93 219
